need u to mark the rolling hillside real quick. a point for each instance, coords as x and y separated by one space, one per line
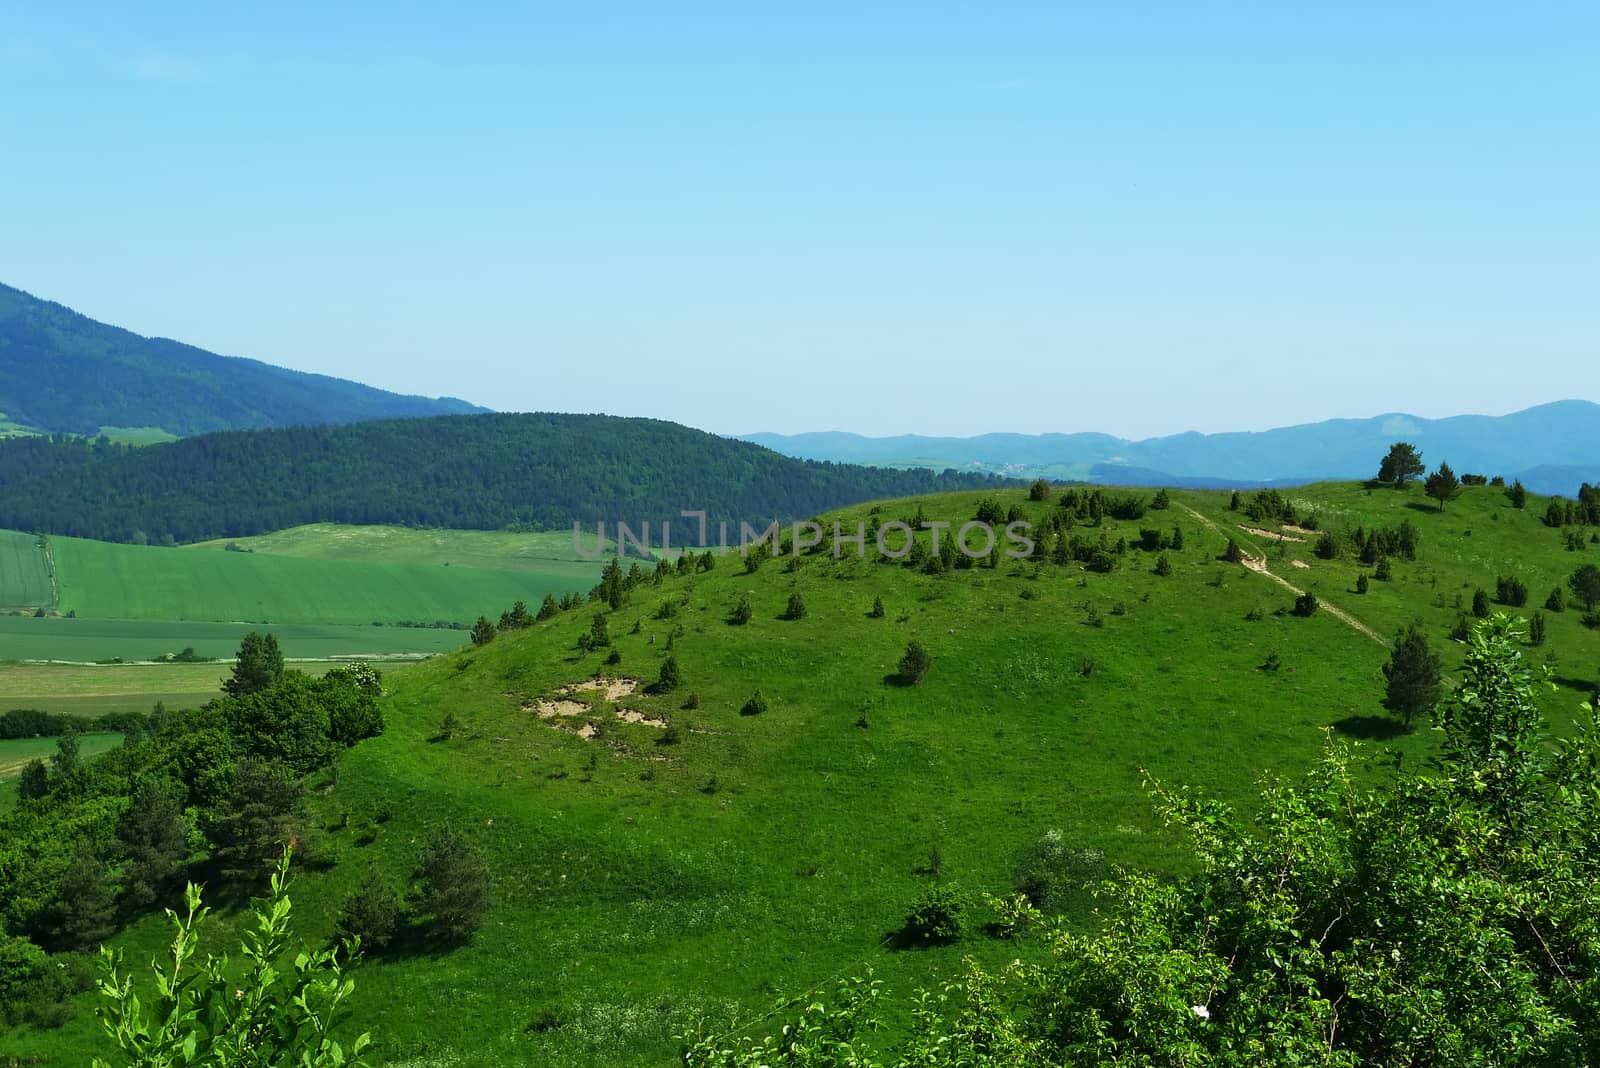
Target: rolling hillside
61 372
665 861
1551 447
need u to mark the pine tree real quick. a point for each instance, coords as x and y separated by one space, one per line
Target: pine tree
914 664
1518 493
1401 465
35 781
483 631
1536 627
1412 675
1585 585
454 884
877 609
743 612
261 815
259 665
154 837
670 678
599 632
549 609
1442 485
1361 582
370 912
1480 603
83 913
796 608
1556 602
66 761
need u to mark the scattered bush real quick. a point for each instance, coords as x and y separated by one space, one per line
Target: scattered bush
755 706
914 664
1305 605
796 608
743 612
1511 591
369 912
937 916
1480 603
454 884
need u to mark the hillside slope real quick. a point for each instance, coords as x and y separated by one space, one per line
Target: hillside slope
478 472
648 879
61 372
1549 437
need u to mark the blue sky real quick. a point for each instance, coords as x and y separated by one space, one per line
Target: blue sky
1134 218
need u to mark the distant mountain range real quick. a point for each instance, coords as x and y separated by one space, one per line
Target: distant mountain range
1553 448
61 372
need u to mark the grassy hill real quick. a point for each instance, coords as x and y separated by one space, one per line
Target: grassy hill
646 880
61 372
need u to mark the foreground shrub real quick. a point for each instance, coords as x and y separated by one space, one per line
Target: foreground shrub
283 1009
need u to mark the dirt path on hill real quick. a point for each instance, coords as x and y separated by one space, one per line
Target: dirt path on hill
1258 563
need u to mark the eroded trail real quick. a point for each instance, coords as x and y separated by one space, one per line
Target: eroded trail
1258 563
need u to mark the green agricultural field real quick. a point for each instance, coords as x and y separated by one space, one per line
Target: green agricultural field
100 580
137 435
547 553
94 689
16 752
93 640
648 880
24 573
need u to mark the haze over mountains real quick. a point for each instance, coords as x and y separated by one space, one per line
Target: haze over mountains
62 372
1551 447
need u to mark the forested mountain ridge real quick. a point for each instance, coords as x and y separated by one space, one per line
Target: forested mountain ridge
62 372
475 472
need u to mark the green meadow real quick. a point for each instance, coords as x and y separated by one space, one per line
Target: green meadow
652 880
93 640
16 752
547 553
107 581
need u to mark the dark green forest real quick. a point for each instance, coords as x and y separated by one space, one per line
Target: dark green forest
62 372
477 472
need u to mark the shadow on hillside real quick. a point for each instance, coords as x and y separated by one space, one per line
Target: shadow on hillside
903 939
1423 506
1370 728
894 678
1583 686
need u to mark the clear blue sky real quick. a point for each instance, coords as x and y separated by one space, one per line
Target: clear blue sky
1138 218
